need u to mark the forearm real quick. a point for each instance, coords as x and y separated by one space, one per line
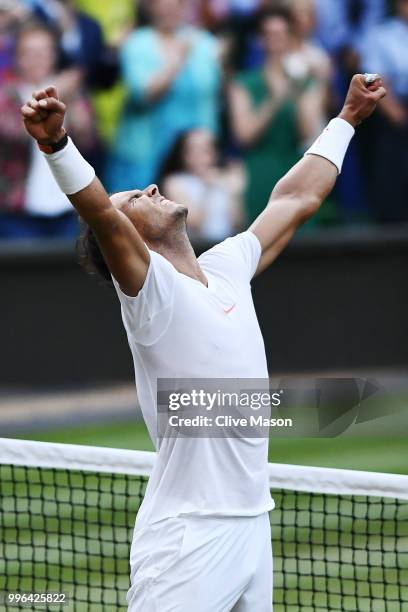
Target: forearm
311 180
92 204
300 193
160 83
250 128
306 185
249 124
123 250
310 112
76 178
143 85
296 197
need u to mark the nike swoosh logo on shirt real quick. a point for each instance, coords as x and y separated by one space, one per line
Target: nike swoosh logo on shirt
228 310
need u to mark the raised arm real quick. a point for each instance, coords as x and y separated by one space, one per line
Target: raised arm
123 249
300 193
146 83
249 124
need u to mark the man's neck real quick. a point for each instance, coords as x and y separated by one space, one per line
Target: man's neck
181 255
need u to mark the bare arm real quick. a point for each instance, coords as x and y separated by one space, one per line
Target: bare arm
161 81
123 249
310 112
249 124
300 193
295 199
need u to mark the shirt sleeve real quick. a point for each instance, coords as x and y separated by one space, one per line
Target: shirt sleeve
147 316
236 258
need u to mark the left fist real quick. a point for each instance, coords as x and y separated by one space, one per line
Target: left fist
362 99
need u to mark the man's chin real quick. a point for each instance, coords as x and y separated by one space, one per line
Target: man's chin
179 209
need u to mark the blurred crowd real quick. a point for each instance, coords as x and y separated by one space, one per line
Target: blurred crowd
214 100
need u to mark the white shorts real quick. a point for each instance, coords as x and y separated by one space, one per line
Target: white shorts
205 564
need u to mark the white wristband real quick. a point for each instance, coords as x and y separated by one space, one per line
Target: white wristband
71 171
333 142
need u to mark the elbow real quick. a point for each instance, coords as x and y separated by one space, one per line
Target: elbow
304 202
243 134
301 208
307 207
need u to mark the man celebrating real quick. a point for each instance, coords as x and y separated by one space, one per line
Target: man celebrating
202 536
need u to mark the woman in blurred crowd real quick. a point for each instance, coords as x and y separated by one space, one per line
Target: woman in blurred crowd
270 113
307 61
213 195
31 204
81 40
172 74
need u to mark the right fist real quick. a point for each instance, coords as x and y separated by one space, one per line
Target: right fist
44 116
362 99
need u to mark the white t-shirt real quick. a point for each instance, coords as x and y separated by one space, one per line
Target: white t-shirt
178 328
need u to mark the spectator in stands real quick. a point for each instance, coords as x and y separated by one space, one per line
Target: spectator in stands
213 194
385 50
81 39
267 113
342 23
340 26
117 20
213 12
172 74
308 61
12 13
242 16
31 204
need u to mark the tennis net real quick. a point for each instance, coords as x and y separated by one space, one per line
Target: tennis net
340 537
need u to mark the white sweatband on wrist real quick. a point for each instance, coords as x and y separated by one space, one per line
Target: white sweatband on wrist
333 142
71 171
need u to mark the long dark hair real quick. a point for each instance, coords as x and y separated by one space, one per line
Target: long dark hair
174 161
90 255
270 12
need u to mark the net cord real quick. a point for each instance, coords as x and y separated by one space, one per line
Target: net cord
140 463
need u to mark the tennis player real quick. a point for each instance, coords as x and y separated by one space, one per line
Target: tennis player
202 536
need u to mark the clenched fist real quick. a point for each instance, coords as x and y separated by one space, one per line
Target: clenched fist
362 99
44 115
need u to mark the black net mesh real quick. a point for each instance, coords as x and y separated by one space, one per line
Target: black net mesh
70 531
340 553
